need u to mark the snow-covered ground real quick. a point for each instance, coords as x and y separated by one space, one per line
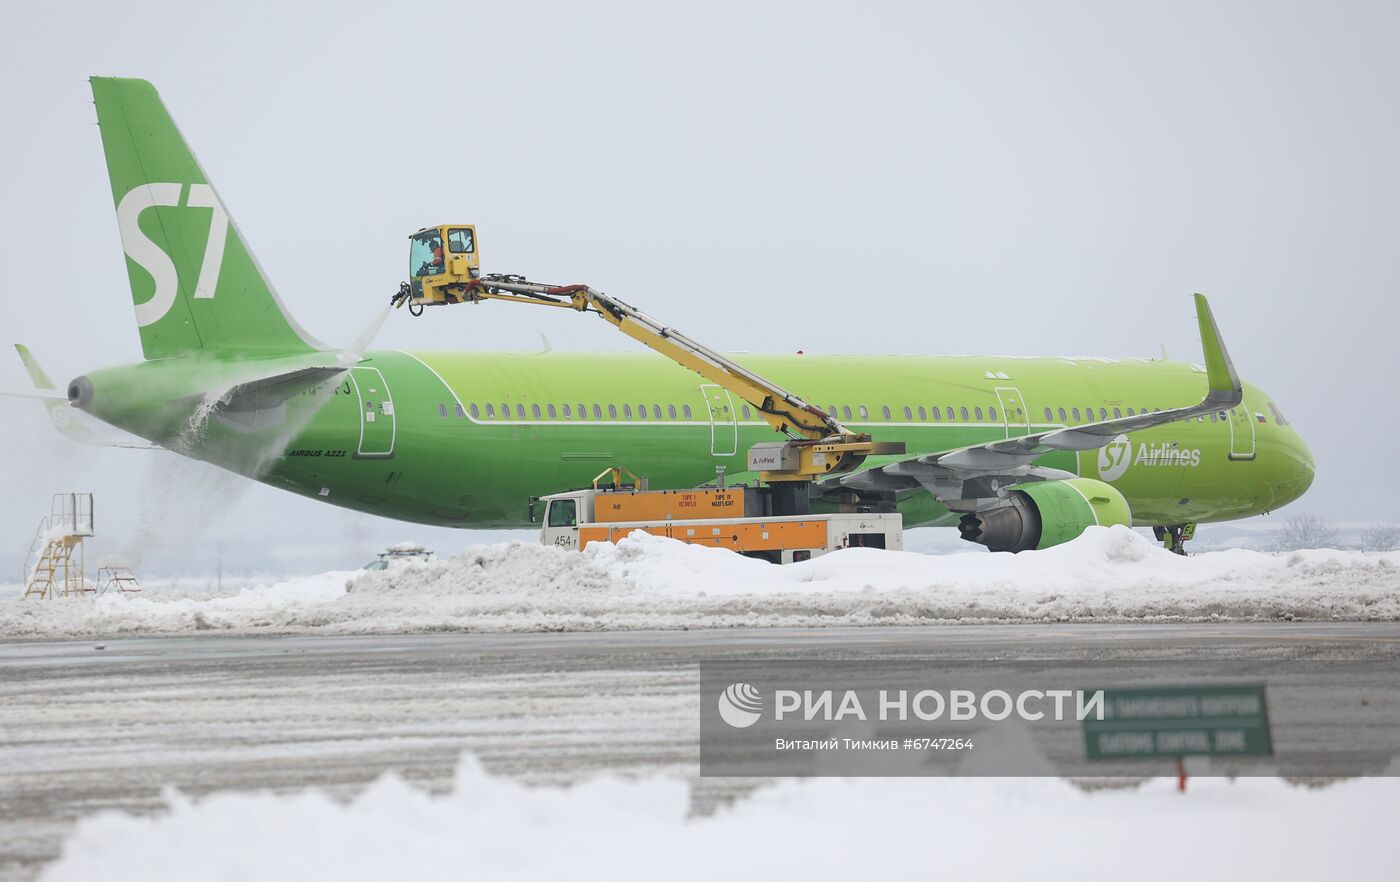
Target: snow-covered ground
490 827
1108 574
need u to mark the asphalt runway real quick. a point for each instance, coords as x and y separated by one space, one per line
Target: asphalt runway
87 725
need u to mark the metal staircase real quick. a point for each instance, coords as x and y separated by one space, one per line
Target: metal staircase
59 568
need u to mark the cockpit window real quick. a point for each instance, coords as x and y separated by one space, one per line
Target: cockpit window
425 255
1278 414
461 241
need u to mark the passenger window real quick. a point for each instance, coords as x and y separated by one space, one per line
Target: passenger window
597 412
962 411
864 414
490 412
549 409
671 411
568 411
685 410
627 411
831 409
563 512
745 410
937 414
582 412
535 411
1048 415
885 412
461 414
476 412
908 413
846 411
505 411
1117 414
442 411
923 416
1074 413
992 413
656 411
1103 413
1130 412
612 411
520 411
977 413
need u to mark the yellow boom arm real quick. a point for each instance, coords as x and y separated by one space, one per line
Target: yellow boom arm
823 444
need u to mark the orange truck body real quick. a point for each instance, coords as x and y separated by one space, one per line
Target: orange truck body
736 535
713 517
668 505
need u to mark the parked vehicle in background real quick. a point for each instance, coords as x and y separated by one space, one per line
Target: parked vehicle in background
403 552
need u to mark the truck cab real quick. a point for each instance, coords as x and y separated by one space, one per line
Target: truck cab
562 515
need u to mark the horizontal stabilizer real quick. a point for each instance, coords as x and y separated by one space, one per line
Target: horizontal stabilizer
267 392
36 395
72 423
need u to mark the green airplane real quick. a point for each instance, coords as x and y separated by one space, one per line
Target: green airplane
1019 453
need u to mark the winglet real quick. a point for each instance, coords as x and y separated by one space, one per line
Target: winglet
36 373
1225 387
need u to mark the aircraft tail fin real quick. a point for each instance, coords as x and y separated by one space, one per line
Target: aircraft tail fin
194 281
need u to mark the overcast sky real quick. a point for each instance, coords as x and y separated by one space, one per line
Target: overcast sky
887 178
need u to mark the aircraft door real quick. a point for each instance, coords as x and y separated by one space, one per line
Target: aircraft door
378 424
724 426
1013 411
1241 433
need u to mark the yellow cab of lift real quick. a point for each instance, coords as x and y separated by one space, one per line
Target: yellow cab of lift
442 263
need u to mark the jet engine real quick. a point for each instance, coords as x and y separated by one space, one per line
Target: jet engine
1046 513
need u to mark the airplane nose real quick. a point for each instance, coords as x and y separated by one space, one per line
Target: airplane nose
1298 470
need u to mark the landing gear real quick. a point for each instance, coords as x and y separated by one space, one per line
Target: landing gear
1175 536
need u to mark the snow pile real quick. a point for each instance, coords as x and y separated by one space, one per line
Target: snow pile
160 611
946 828
1108 574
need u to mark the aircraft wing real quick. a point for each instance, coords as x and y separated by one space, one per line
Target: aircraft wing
966 478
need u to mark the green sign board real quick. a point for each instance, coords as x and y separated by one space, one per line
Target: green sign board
1177 721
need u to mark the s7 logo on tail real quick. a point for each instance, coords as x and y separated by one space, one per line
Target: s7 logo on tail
154 258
